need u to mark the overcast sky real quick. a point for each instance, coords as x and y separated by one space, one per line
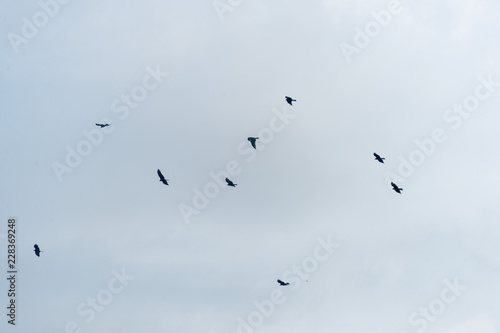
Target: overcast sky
183 84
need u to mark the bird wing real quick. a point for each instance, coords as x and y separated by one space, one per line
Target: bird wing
37 248
228 181
252 142
162 178
376 155
396 188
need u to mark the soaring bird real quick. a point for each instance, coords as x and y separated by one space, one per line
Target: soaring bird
162 179
252 141
230 183
102 125
289 100
378 158
37 250
283 283
396 188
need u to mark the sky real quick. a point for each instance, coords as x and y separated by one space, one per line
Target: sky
183 85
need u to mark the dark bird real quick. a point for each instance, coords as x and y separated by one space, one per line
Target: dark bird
396 188
162 179
289 100
378 158
283 283
230 183
102 125
37 250
252 141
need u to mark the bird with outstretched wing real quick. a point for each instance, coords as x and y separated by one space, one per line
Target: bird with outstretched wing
378 158
252 141
396 188
289 100
230 183
283 283
162 179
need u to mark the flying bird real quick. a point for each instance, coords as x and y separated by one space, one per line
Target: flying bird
289 100
252 141
102 125
37 250
230 183
283 283
162 179
378 158
396 188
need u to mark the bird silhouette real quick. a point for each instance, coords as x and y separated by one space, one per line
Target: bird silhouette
230 183
37 250
396 188
162 179
378 158
252 141
283 283
289 100
102 125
